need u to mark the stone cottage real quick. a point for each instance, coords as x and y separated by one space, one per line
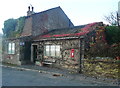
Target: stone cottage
18 50
49 37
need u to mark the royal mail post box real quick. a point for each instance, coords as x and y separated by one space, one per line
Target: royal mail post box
72 52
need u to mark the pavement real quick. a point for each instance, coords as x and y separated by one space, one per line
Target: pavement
35 68
63 72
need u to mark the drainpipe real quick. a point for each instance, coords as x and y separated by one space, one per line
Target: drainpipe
81 53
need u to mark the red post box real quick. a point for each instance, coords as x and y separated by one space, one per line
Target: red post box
72 52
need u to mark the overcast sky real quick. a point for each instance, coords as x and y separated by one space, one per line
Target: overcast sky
79 11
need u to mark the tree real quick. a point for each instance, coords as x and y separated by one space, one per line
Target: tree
112 18
9 26
112 34
19 27
20 24
13 27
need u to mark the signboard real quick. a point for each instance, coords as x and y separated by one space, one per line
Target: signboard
22 43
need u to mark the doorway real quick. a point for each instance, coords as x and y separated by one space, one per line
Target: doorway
34 53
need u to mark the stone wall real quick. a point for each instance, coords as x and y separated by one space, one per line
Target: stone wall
72 63
64 60
11 58
101 68
95 43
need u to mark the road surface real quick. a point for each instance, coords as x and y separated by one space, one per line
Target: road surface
15 77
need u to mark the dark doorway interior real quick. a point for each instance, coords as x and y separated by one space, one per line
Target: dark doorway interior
27 52
34 53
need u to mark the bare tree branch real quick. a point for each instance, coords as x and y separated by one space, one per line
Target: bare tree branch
112 18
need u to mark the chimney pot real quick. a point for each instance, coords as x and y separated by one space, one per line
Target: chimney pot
32 8
28 8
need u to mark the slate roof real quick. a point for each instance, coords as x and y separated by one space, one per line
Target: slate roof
68 32
64 30
44 21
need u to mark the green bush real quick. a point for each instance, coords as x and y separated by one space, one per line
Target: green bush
9 25
13 27
112 34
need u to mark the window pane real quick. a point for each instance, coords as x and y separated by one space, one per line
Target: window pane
57 50
13 48
52 50
47 50
9 48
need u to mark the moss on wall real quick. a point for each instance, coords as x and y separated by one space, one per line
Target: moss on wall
101 68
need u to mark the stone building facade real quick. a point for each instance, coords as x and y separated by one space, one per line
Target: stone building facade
59 53
49 37
16 50
11 55
35 24
63 48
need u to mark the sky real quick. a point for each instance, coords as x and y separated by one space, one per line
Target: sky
79 11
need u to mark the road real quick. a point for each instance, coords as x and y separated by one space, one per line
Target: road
15 77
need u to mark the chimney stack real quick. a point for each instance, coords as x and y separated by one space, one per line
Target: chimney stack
30 10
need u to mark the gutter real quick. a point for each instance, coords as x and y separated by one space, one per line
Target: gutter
62 38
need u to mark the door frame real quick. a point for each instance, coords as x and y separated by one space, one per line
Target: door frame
32 52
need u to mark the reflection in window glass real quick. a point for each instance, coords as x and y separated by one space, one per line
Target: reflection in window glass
52 50
57 50
11 48
47 50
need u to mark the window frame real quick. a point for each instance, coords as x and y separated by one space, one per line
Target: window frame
11 48
50 51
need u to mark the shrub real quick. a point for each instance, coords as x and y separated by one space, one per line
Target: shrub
112 34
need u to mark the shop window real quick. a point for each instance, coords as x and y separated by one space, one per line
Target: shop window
52 50
47 50
11 48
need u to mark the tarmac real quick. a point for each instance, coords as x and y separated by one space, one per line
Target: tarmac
63 72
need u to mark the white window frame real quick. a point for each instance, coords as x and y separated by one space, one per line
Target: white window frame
11 48
52 50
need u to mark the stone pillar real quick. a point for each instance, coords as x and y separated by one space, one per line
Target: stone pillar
81 46
31 53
